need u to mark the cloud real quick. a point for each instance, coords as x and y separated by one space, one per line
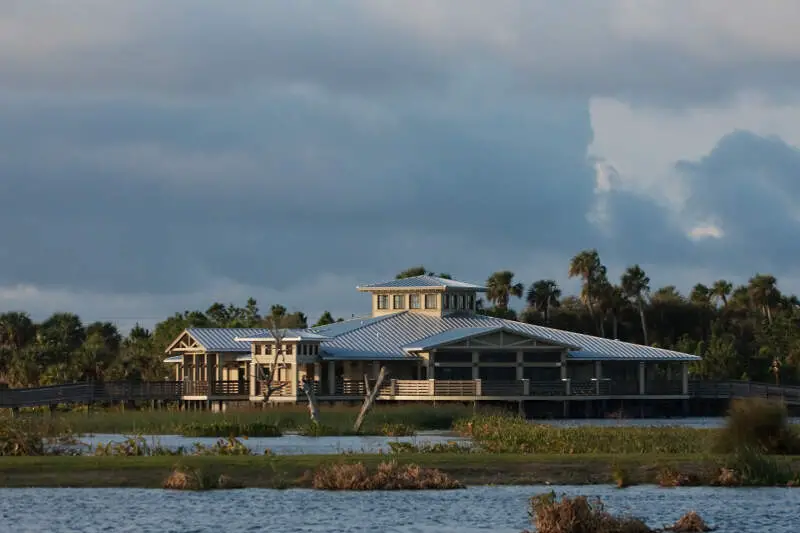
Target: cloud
178 153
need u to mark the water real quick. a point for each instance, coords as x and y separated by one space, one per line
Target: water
690 422
290 444
479 509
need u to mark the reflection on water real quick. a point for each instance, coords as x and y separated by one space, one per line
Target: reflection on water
480 509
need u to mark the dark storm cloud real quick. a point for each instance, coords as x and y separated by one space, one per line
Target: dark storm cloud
750 185
127 203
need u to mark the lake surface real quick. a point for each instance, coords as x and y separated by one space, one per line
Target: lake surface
290 444
479 509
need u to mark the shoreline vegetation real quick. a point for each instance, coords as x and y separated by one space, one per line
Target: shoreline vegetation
756 447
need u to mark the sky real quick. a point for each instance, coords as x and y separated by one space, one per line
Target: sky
160 156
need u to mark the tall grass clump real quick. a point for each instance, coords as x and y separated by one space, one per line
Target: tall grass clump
387 476
20 437
195 479
759 425
227 428
581 515
507 434
748 467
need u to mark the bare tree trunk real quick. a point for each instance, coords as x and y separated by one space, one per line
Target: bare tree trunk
616 326
313 406
644 324
372 394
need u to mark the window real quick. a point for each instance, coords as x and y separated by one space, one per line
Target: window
413 301
383 301
430 301
399 301
460 300
445 301
452 301
288 349
470 302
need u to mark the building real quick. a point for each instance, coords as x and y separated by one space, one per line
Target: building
426 332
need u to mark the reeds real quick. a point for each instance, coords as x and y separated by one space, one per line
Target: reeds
194 479
581 515
229 429
430 447
387 476
507 434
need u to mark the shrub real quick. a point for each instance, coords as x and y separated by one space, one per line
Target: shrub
751 468
387 476
669 477
229 446
135 447
579 515
758 424
20 437
620 476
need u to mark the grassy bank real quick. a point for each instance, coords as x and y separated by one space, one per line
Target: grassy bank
268 422
297 471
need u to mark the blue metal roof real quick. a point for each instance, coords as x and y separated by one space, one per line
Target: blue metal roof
346 326
422 282
446 337
223 339
302 334
389 338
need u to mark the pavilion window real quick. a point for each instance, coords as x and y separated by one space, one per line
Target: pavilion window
399 301
414 301
383 301
430 301
460 301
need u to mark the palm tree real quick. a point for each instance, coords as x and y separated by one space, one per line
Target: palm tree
700 295
612 300
635 286
16 330
500 287
544 295
721 290
587 266
764 293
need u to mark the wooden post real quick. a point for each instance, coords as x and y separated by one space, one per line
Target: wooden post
372 395
642 378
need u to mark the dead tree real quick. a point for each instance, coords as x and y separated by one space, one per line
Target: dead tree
371 396
313 406
275 325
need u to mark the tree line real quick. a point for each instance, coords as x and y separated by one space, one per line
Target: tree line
749 331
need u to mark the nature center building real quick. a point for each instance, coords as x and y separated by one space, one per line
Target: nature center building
435 346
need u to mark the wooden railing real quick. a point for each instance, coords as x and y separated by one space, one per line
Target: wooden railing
115 391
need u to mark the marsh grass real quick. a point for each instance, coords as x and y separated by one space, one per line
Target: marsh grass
195 479
247 421
507 434
749 467
430 447
579 514
386 476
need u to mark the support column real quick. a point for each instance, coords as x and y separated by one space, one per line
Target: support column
332 378
520 361
431 362
685 377
294 377
220 367
598 375
642 372
476 371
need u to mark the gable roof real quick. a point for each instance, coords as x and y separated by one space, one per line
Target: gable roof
286 334
446 337
222 339
422 282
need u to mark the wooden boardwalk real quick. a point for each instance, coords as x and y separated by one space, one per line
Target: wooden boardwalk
171 391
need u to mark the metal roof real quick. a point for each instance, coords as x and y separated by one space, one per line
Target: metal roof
446 337
346 326
389 337
224 339
421 282
286 334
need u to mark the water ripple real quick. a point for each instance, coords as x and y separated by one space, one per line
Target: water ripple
475 510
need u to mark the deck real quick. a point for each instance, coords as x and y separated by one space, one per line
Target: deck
395 390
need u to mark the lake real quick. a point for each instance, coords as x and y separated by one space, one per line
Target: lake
474 510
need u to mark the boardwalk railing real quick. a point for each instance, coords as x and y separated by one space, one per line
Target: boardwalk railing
118 391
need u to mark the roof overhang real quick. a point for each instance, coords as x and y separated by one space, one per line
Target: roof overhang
588 355
303 338
175 345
